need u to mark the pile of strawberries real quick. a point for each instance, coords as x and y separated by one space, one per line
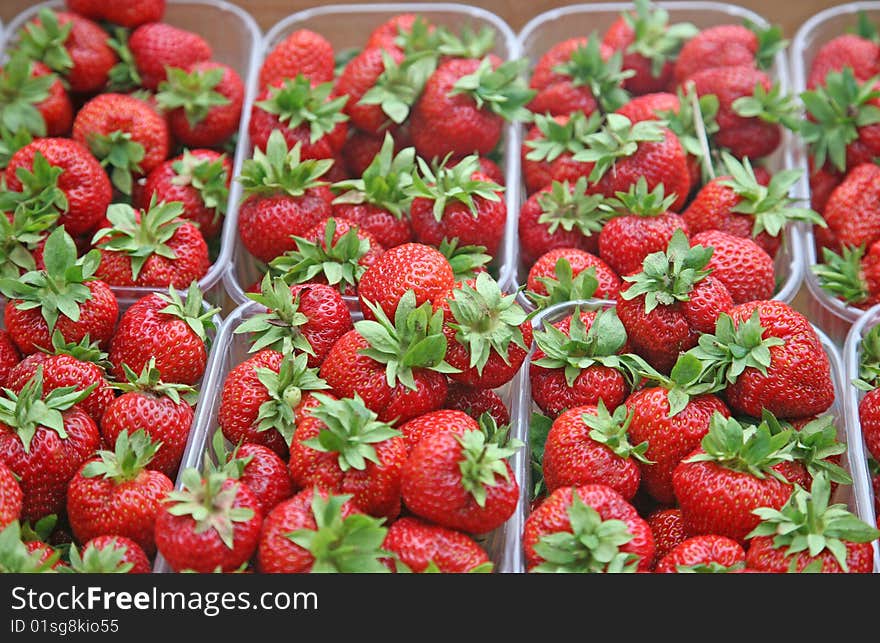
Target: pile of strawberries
869 406
118 136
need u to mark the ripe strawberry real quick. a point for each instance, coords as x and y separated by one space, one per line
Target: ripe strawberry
461 479
475 402
9 357
667 528
199 179
852 213
375 82
860 54
110 554
156 46
43 440
126 14
33 98
424 547
59 175
304 53
548 149
869 417
360 149
707 553
10 497
64 296
379 362
729 46
283 198
18 557
807 533
213 522
649 107
740 264
567 274
117 494
435 421
318 532
71 45
587 529
260 470
203 103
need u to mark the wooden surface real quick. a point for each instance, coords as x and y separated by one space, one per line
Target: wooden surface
516 12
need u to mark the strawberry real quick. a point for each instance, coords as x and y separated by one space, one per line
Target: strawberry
199 179
589 529
33 98
851 275
852 211
650 45
71 45
548 149
61 174
412 266
671 302
43 440
203 103
152 247
425 548
668 530
65 296
740 264
342 447
381 87
10 497
854 51
212 522
360 149
428 423
116 494
164 328
457 202
9 357
126 14
649 107
260 470
157 46
19 557
318 532
283 198
397 368
467 262
460 479
110 554
303 52
567 274
807 532
475 402
729 46
707 553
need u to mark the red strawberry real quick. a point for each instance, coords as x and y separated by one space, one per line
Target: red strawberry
399 31
667 528
126 14
475 402
650 106
9 357
303 52
31 557
424 547
33 98
852 211
740 264
10 497
213 522
360 149
156 46
368 81
567 274
860 54
823 181
262 471
594 525
110 554
435 421
869 418
728 46
548 149
116 494
702 554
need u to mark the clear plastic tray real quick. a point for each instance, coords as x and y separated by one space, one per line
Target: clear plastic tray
551 27
348 25
857 496
827 311
230 350
235 40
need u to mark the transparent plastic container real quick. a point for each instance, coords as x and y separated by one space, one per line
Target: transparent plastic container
551 27
230 350
856 496
235 40
347 26
863 488
829 312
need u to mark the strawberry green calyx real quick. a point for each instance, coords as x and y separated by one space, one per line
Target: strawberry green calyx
121 155
668 277
501 89
815 445
130 456
39 531
338 262
612 430
10 142
482 461
419 38
400 84
20 92
351 431
605 79
296 103
655 38
384 182
192 91
61 287
107 560
709 568
25 411
807 523
770 107
486 320
466 261
869 360
140 239
570 207
841 274
279 170
85 350
45 41
19 238
694 123
495 434
750 449
123 76
15 557
618 139
40 198
770 43
467 44
278 328
770 205
443 184
684 382
558 138
640 202
592 546
210 178
565 287
286 389
150 381
209 504
414 340
193 311
838 109
346 545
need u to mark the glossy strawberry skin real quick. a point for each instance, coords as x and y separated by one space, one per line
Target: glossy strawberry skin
45 469
861 55
156 45
557 94
83 180
435 421
851 212
702 550
11 497
625 241
535 238
476 401
267 223
360 149
222 121
744 268
385 228
670 440
88 49
766 558
328 318
56 109
552 517
418 543
100 506
869 418
544 74
620 36
648 106
9 357
357 78
579 260
667 527
302 52
134 553
719 46
266 475
184 548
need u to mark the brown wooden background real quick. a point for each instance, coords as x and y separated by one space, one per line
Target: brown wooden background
789 13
